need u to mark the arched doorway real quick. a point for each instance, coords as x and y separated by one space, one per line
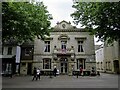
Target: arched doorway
63 65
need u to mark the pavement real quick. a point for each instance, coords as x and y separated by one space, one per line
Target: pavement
62 81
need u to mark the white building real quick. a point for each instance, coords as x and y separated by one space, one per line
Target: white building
68 48
99 52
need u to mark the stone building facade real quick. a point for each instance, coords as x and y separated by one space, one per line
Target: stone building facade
112 57
68 48
8 58
26 59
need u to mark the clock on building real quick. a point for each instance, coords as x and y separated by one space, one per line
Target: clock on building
63 25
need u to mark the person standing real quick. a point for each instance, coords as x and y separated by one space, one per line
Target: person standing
55 71
34 73
38 74
81 71
93 72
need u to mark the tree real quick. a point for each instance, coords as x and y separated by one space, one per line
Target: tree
23 21
101 19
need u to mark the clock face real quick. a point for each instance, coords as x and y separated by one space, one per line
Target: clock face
63 25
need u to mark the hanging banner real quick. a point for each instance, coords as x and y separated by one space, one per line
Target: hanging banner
18 53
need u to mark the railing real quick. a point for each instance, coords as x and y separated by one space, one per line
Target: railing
63 51
84 73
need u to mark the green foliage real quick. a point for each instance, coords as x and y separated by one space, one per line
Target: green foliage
101 19
23 21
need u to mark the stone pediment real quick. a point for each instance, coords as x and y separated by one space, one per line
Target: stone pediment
64 25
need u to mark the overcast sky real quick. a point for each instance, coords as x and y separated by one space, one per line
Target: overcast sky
60 10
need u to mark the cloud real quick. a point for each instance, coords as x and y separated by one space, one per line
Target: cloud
60 10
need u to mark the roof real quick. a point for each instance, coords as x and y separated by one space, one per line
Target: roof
65 26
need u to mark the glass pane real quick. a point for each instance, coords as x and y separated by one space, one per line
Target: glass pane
46 64
61 69
78 48
9 50
81 48
61 64
45 48
65 67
